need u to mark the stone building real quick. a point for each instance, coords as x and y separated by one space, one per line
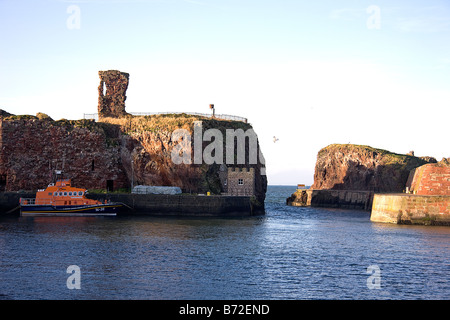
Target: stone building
237 181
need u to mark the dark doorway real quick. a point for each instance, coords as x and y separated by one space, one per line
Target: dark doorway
2 182
109 185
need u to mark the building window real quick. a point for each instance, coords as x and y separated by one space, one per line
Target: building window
241 182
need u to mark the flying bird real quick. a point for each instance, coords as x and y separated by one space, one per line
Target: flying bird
275 139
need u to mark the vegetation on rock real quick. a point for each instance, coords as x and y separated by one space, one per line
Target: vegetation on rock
360 167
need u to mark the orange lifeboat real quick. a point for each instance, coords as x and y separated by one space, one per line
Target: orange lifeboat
61 198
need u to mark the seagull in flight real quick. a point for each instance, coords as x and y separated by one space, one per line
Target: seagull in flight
275 139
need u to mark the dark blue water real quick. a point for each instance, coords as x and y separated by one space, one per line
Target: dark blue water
291 253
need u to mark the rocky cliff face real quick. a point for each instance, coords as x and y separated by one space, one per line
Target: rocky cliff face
31 149
146 153
114 153
355 167
120 150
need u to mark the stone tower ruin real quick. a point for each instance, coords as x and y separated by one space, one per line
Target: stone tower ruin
111 93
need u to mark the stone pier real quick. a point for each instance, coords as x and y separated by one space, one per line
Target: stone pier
411 209
327 198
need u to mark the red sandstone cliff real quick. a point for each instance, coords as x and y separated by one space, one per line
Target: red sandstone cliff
119 151
31 149
355 167
114 153
146 149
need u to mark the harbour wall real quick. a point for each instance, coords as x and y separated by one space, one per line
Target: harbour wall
411 209
430 179
327 198
184 204
9 201
160 204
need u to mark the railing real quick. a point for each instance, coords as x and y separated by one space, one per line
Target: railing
206 115
55 202
32 201
93 116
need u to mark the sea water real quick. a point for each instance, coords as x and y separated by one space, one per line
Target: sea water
290 253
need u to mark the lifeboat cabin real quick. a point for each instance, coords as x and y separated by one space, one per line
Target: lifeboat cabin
62 199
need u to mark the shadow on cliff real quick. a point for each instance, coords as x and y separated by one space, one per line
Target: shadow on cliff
390 178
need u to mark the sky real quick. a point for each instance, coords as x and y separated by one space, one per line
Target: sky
311 73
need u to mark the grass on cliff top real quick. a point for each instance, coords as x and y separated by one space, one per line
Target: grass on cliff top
171 122
388 156
354 147
110 127
111 133
82 123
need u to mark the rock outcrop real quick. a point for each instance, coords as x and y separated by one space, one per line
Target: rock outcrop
112 93
363 168
146 151
347 176
122 151
31 149
111 154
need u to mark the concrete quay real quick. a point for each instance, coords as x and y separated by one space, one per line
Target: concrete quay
160 204
402 208
327 198
398 208
184 204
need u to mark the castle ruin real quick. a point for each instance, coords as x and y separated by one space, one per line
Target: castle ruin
111 93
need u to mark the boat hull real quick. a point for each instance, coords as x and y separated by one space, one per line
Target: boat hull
70 211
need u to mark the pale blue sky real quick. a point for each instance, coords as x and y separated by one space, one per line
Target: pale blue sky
311 73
